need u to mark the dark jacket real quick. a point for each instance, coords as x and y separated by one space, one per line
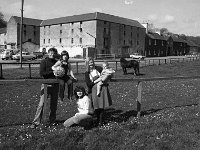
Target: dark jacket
45 68
89 83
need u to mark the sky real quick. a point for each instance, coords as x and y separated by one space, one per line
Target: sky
178 16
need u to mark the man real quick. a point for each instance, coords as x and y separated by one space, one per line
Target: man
52 90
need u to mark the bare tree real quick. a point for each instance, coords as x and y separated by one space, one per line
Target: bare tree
3 23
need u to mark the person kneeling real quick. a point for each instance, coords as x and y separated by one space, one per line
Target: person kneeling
84 116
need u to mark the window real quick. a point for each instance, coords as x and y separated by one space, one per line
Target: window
162 43
49 40
124 42
25 33
105 42
72 40
80 40
149 41
137 42
60 40
34 33
60 31
104 30
105 22
155 42
124 33
44 41
72 31
131 34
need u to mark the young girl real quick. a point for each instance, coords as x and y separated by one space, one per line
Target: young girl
106 73
65 78
85 110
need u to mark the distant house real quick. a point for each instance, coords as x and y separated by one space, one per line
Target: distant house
93 34
31 31
3 38
155 45
192 48
176 46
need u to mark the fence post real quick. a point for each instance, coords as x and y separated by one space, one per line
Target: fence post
116 65
45 111
29 66
165 61
77 67
139 99
159 62
1 77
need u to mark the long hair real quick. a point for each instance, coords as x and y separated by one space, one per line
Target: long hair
88 61
64 52
79 89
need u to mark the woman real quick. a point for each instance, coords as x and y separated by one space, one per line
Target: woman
85 111
92 77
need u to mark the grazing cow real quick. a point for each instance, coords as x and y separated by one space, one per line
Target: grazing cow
130 64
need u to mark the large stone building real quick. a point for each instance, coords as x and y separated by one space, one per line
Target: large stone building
31 31
3 38
93 33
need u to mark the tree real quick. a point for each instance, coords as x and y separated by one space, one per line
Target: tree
3 23
164 31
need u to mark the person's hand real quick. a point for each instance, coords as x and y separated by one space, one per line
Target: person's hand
75 80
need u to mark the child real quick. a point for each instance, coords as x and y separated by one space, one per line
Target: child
64 77
85 110
106 73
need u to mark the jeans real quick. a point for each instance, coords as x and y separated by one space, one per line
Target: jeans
79 119
52 91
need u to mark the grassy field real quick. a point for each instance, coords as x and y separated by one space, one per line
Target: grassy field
170 114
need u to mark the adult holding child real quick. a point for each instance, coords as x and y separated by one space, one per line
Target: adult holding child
103 100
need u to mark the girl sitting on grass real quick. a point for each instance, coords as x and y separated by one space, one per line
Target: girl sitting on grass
85 110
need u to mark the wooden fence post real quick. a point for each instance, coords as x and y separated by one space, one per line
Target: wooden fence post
45 107
139 99
1 77
116 65
77 67
29 65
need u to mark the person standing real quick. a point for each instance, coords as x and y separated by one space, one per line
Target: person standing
52 89
92 77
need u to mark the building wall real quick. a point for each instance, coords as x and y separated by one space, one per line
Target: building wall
30 33
119 39
68 36
12 32
3 39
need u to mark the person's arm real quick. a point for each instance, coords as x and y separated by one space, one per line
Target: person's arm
58 63
89 83
71 72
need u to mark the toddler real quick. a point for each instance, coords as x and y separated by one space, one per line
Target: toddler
106 73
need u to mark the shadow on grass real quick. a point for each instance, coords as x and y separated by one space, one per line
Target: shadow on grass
112 115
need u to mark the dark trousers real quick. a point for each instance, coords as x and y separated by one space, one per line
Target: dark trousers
99 113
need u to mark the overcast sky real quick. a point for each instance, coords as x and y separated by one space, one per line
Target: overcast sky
178 16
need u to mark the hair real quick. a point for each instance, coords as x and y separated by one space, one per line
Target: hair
88 59
53 49
79 89
64 52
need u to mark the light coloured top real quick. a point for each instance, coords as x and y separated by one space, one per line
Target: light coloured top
84 106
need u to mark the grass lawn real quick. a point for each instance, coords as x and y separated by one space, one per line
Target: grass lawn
170 114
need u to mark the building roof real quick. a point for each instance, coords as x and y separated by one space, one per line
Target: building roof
156 36
28 21
92 16
191 43
3 30
177 39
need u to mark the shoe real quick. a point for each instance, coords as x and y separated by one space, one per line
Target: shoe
33 126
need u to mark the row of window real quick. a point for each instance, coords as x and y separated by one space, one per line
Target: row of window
60 41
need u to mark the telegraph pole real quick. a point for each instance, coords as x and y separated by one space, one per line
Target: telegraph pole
21 32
